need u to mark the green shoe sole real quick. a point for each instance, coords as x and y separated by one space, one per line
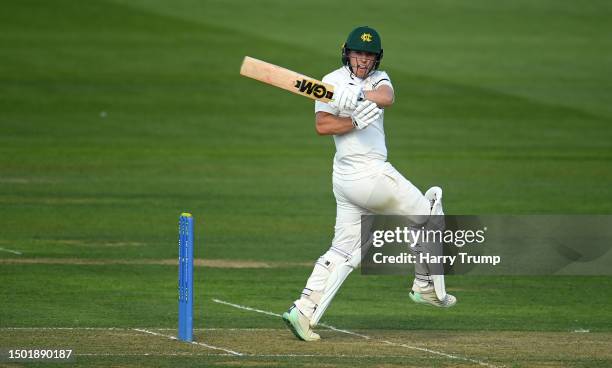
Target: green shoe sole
416 297
287 319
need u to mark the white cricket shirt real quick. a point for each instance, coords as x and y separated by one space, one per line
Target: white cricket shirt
358 152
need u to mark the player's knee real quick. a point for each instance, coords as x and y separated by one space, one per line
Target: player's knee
332 259
417 212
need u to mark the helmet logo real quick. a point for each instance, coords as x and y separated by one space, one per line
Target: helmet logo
366 37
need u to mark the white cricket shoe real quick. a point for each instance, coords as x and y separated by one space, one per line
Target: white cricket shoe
299 324
434 196
427 296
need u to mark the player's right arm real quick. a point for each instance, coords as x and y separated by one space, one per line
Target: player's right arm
365 114
330 124
327 119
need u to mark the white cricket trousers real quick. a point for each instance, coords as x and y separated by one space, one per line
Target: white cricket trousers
384 192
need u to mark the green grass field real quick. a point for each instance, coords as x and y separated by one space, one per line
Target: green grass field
116 116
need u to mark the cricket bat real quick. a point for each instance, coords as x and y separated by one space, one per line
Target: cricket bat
286 79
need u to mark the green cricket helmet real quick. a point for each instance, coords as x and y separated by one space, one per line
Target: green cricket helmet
365 39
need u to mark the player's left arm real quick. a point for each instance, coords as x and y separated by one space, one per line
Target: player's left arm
383 96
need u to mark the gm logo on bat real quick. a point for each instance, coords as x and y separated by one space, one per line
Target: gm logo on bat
311 88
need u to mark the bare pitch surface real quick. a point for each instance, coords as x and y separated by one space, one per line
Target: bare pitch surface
372 322
276 346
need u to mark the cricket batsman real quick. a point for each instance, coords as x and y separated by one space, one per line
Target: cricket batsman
364 183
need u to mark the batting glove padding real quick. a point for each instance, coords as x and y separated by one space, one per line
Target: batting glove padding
365 114
346 97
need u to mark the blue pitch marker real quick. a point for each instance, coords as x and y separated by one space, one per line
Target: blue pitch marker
185 283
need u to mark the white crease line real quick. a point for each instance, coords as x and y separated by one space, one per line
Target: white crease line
344 331
67 328
440 353
192 342
236 329
278 315
451 356
353 356
11 251
349 356
131 329
154 354
246 308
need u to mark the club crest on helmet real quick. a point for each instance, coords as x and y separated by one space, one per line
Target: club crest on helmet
366 37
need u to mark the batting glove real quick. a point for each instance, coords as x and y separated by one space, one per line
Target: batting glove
365 114
347 97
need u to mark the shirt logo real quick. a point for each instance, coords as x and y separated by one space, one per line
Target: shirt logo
366 37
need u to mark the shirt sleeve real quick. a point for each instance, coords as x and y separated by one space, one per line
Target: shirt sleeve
381 79
323 106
